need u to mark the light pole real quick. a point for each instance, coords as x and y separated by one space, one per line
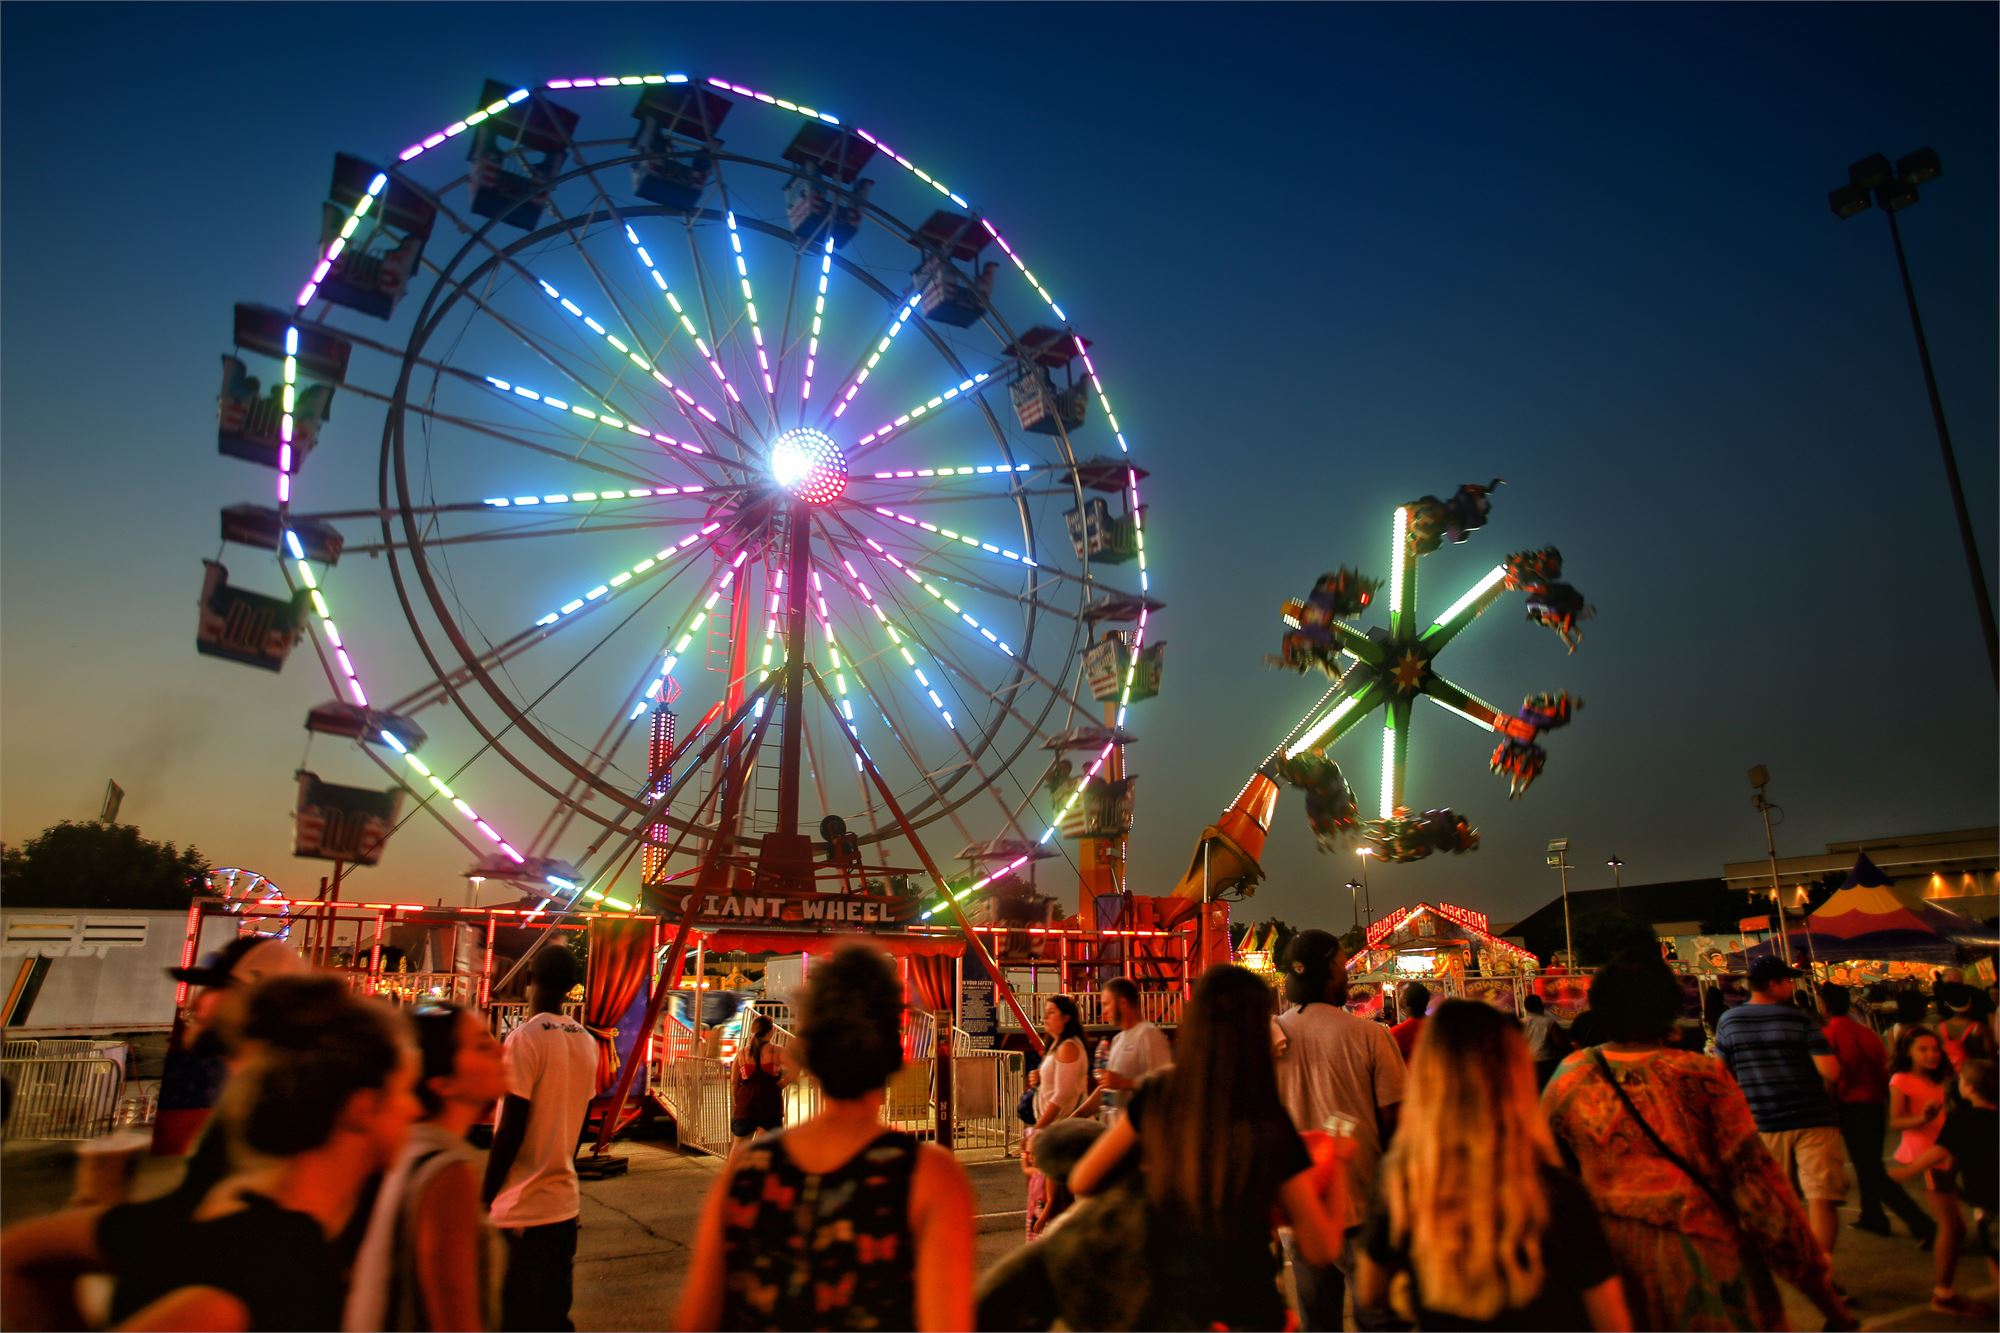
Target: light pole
1760 777
1559 860
1617 880
1367 898
1872 180
1353 887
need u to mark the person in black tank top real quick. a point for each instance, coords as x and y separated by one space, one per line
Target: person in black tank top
838 1222
757 1087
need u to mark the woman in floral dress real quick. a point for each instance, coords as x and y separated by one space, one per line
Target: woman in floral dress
1699 1240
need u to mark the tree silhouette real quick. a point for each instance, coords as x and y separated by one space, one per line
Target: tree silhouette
89 865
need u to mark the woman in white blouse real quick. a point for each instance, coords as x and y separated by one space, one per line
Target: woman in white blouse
1060 1085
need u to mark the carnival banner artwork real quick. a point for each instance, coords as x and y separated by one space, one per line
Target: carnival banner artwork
337 823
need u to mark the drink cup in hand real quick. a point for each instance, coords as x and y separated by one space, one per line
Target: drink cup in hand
106 1167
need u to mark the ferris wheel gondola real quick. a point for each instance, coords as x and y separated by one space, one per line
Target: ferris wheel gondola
616 381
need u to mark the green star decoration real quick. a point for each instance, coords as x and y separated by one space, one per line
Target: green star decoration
1390 669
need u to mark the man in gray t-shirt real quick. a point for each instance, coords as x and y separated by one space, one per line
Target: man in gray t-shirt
1138 1049
1334 1065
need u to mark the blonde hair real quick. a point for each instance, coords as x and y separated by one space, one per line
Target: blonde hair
1463 1179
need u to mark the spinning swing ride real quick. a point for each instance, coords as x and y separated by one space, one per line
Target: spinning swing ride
675 428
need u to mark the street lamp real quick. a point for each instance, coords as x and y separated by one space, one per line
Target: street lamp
1353 887
1617 880
1559 861
1367 898
1895 189
1760 778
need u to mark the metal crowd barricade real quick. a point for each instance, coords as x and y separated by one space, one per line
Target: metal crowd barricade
62 1097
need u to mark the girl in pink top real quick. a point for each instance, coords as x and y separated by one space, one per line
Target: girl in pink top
1918 1078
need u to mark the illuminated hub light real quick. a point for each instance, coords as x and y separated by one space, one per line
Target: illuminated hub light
868 368
310 290
809 464
888 428
960 537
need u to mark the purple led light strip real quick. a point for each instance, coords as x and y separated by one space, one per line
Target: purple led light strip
310 290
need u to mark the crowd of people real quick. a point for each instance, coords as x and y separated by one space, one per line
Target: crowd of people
1461 1169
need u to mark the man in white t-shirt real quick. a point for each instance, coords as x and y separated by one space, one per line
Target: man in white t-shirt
1334 1065
531 1184
1137 1050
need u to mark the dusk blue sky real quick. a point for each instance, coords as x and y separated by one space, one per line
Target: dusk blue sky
1331 258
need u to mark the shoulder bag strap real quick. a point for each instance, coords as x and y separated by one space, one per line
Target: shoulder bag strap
1721 1201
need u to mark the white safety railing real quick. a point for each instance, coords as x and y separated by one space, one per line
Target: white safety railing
1157 1006
986 1086
62 1097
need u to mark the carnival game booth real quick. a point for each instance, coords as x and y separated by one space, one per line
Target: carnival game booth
1872 930
1450 949
957 1084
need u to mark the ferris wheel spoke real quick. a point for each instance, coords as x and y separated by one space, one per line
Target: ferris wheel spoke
816 327
648 689
684 401
580 331
750 312
866 363
930 475
568 450
553 525
781 346
952 535
967 625
929 410
702 345
1465 610
920 575
899 727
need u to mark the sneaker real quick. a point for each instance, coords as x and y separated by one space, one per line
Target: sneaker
1954 1304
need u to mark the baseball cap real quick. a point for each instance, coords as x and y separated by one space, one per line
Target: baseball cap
219 968
1767 970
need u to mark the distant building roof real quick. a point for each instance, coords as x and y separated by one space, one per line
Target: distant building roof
1655 904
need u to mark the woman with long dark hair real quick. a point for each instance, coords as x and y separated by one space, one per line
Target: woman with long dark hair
1222 1164
1478 1226
1920 1079
838 1222
1061 1082
432 1258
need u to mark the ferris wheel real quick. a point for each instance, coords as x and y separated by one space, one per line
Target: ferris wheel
639 390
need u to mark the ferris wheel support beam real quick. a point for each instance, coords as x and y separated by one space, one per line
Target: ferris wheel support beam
944 886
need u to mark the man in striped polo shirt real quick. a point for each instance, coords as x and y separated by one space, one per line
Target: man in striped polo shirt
1785 1066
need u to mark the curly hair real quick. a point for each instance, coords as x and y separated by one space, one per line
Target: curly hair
1636 998
313 1046
851 1026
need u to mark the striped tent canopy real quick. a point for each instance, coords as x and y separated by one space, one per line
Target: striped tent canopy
1869 917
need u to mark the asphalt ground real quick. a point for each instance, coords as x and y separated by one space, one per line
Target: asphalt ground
638 1230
